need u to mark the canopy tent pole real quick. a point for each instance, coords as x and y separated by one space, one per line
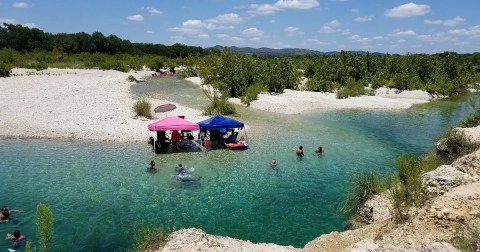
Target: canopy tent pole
246 140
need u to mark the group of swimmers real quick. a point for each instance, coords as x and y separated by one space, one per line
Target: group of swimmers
180 171
17 238
299 153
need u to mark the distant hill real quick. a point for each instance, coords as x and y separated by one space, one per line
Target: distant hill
264 51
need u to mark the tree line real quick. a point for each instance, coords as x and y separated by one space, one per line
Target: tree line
25 39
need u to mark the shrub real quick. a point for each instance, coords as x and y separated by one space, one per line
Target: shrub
142 108
4 70
114 65
430 161
455 144
39 66
44 226
319 85
147 239
399 208
467 239
218 104
252 93
410 176
471 121
352 89
364 186
131 78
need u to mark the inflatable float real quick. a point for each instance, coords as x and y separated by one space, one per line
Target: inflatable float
237 146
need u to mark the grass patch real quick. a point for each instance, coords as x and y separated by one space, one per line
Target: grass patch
471 121
143 108
252 93
431 160
363 187
4 70
351 89
131 78
467 239
455 144
218 105
147 239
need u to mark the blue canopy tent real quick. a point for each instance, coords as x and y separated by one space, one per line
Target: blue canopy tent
220 122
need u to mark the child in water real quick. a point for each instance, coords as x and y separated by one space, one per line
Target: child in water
300 151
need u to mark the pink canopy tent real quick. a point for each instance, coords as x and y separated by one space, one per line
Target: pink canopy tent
173 123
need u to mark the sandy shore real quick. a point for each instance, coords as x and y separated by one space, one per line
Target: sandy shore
97 105
76 104
295 102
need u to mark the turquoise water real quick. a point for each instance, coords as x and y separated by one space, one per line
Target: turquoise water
98 190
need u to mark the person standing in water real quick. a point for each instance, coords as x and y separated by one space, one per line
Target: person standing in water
300 151
319 151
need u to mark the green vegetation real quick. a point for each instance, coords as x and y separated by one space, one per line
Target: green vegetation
467 239
219 105
4 70
131 78
143 108
471 121
147 239
455 144
363 187
44 226
44 229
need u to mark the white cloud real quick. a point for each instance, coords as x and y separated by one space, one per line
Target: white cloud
355 10
8 21
401 41
291 29
379 38
253 32
402 33
333 26
230 18
137 17
315 42
270 9
448 22
263 9
236 40
152 11
408 10
30 25
255 39
437 37
358 39
364 19
272 21
473 31
20 5
195 26
150 32
297 4
203 36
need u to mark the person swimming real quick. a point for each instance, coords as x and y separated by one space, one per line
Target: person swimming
17 238
319 150
180 169
300 151
274 163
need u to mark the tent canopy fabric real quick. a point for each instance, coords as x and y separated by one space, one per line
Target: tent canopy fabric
173 123
220 122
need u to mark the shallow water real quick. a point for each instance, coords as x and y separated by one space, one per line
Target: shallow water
98 190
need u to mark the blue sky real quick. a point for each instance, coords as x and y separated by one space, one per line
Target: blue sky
388 26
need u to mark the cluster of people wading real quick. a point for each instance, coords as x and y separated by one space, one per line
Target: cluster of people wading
17 238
